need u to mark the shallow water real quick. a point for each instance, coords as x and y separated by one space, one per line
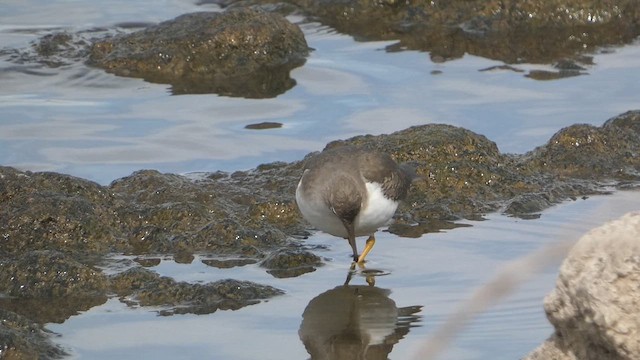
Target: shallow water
438 272
85 122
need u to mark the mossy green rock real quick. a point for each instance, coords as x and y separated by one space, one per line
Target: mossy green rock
242 52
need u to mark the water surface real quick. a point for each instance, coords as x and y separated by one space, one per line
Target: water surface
84 122
438 272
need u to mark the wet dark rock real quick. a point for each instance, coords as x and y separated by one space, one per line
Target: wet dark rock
513 31
502 67
228 263
553 75
284 214
53 43
43 310
183 257
286 263
528 205
569 65
21 338
242 52
53 50
49 286
147 288
250 213
148 262
264 125
211 52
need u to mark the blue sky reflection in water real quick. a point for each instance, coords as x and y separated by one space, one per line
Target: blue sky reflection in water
94 125
91 124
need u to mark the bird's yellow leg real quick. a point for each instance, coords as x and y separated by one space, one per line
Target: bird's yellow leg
367 248
352 270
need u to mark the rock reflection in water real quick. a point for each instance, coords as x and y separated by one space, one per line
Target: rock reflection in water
354 322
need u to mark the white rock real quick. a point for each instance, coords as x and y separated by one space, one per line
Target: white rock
595 307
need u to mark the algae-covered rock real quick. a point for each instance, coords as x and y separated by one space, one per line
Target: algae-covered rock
147 288
169 213
46 273
50 286
242 52
57 212
611 151
286 263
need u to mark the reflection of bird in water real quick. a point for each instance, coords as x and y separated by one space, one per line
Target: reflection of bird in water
354 322
348 192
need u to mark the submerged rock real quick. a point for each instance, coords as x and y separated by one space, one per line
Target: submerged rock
595 307
147 288
49 286
242 52
228 263
20 338
287 263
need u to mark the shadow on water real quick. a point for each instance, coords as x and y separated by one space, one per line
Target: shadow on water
355 322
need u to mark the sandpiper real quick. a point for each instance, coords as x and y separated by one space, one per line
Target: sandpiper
349 192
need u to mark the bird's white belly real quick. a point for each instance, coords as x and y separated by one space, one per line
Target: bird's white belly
377 212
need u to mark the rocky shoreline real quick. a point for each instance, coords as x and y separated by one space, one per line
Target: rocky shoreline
57 228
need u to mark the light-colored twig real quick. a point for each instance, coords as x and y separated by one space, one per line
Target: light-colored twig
505 282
